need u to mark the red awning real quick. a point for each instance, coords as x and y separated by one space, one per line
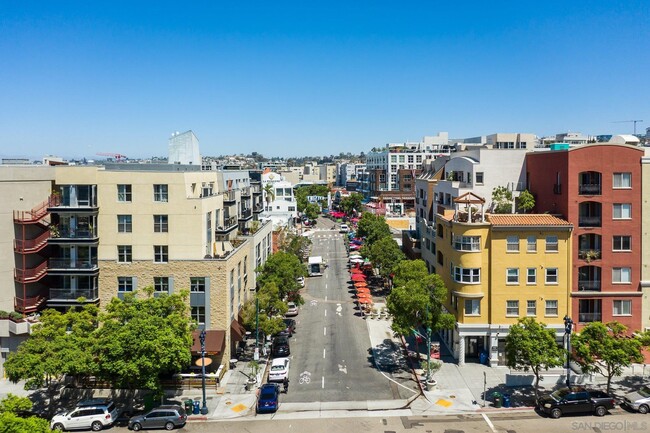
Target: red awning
215 340
237 331
358 277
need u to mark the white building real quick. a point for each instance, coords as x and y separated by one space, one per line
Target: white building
280 205
184 149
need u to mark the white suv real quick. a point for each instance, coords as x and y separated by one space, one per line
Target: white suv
279 369
94 414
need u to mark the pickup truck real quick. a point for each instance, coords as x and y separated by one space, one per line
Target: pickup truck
567 401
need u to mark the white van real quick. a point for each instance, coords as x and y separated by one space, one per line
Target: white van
344 228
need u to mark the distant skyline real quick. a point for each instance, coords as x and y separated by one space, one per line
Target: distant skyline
305 78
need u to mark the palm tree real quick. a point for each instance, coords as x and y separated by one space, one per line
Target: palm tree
270 193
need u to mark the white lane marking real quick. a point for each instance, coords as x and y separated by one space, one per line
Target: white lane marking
489 423
326 285
323 383
323 353
324 331
338 309
325 313
343 368
325 298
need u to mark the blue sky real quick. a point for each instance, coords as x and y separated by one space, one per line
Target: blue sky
313 78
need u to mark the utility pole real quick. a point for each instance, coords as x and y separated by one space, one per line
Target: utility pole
629 121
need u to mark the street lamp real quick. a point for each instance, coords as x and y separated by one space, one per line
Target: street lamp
428 354
204 409
568 325
256 356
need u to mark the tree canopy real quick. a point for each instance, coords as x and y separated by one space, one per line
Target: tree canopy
283 268
295 244
605 348
502 200
372 228
11 422
385 255
271 309
531 346
526 201
417 299
351 203
309 190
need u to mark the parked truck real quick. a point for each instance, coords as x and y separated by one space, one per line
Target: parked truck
316 266
575 400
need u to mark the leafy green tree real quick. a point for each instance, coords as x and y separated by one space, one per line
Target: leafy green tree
417 299
351 203
60 344
283 268
295 244
271 309
605 349
372 228
502 200
269 193
385 255
10 420
309 190
531 346
526 201
142 339
312 210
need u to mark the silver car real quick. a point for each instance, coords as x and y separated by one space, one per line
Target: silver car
168 417
639 400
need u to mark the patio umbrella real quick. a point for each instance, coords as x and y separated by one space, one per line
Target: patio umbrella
355 255
356 271
364 301
358 284
356 260
358 277
363 291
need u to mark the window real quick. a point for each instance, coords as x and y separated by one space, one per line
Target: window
551 308
531 308
622 211
512 276
479 177
472 307
622 243
531 244
160 193
124 193
512 308
198 315
467 243
621 275
160 253
441 259
551 275
124 224
160 224
197 284
124 254
622 308
512 244
551 244
531 276
292 209
161 284
622 180
467 275
124 284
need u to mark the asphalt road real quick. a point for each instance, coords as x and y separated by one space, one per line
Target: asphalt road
331 346
515 422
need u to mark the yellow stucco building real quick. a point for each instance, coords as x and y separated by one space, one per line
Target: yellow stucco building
499 268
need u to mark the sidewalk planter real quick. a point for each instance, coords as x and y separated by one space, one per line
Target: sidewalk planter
431 384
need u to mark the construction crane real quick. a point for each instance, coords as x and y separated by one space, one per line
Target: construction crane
629 121
118 156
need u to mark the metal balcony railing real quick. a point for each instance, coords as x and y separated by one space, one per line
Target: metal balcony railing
246 213
74 294
590 317
62 263
31 274
246 192
229 196
589 221
589 285
589 189
29 304
31 245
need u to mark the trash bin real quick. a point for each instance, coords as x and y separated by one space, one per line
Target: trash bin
197 407
483 358
506 400
189 404
497 399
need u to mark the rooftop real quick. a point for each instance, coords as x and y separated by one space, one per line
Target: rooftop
526 220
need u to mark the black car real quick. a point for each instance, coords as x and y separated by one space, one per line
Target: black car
290 328
280 347
568 401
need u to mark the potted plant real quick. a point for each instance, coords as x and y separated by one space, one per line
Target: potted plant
592 255
430 368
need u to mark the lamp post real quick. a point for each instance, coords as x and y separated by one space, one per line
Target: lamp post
256 356
204 409
428 354
568 326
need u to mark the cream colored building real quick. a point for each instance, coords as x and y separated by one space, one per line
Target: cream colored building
119 228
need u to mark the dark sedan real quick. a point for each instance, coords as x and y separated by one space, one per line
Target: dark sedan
269 398
280 347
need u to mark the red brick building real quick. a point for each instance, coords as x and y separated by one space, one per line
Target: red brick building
597 188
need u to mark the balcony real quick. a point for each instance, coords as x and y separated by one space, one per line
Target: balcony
589 189
246 214
589 221
30 275
257 190
590 317
589 285
70 233
71 295
229 224
229 197
258 207
67 264
246 192
589 255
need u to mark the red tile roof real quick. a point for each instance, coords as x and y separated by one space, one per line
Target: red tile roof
526 220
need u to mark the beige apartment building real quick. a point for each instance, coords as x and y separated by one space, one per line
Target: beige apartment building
115 229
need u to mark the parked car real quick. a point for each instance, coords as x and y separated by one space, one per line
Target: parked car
290 326
344 228
269 398
94 414
638 400
280 347
292 311
166 416
301 281
279 369
568 401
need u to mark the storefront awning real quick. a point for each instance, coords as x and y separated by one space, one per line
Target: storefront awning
214 342
237 331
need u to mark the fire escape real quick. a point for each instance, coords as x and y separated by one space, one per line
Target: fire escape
32 231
